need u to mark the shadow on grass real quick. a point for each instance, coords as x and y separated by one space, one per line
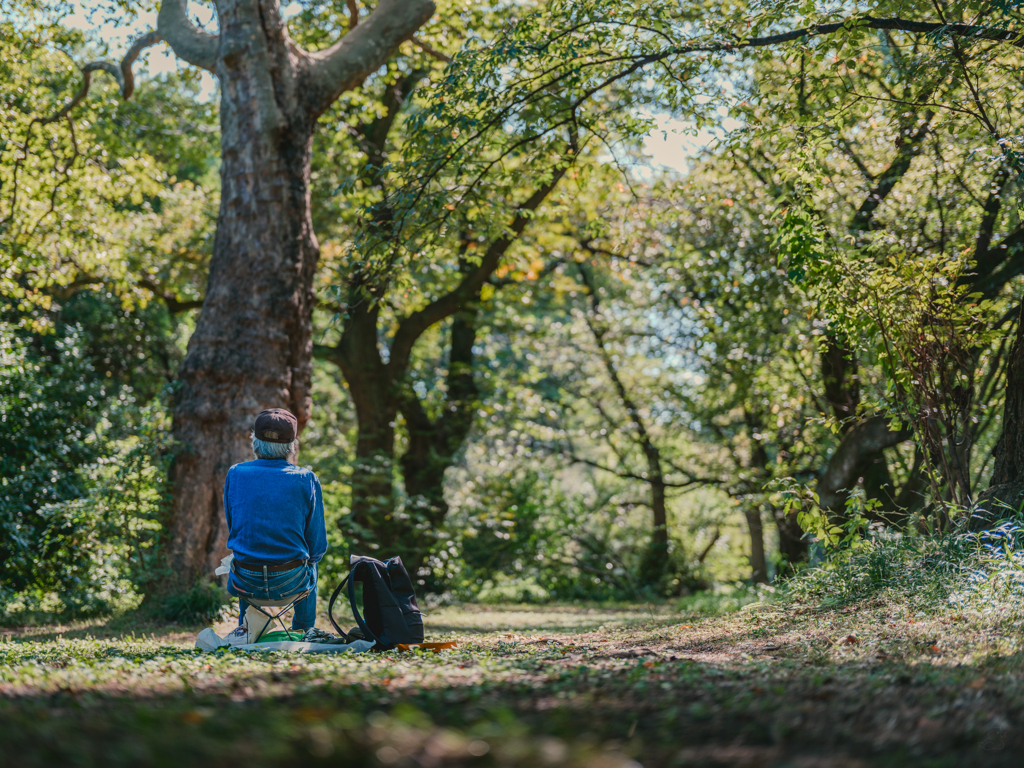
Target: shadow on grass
541 708
131 625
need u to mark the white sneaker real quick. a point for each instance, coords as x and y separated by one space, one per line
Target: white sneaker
209 640
239 636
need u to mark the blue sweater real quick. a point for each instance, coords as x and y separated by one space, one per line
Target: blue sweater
275 512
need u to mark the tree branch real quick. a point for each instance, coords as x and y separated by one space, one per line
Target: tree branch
909 148
430 50
348 62
174 305
413 326
895 24
198 48
631 476
123 74
865 439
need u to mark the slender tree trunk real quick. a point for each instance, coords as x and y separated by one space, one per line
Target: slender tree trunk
792 545
759 463
758 561
1005 494
434 444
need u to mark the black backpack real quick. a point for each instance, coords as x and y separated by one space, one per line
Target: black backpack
389 603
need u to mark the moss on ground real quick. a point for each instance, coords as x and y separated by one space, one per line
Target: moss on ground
876 683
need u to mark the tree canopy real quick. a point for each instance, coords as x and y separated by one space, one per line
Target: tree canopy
524 357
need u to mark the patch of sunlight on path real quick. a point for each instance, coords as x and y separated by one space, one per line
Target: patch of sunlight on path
532 619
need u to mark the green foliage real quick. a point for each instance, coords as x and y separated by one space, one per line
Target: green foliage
834 533
48 408
200 603
518 536
84 471
961 570
646 327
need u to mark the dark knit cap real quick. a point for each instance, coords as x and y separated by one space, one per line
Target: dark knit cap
276 426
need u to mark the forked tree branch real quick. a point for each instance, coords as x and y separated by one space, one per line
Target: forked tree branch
363 50
123 74
186 40
413 326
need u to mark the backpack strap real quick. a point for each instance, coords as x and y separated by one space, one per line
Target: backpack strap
330 607
368 634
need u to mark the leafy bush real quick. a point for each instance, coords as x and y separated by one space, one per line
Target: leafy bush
83 470
201 603
983 571
517 536
48 402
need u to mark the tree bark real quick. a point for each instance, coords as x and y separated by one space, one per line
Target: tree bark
758 561
252 345
435 443
251 348
1005 494
865 440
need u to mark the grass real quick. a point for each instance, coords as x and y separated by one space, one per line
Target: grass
875 680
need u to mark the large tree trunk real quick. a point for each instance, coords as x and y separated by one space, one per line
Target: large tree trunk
372 526
252 347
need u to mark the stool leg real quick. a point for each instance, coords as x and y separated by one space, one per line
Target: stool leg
254 617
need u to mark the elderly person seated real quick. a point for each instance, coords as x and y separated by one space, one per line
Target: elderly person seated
276 529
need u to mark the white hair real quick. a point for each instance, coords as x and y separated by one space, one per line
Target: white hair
267 450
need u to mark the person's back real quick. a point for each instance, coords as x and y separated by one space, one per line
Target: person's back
276 528
271 507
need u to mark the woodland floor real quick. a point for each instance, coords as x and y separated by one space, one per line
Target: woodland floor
873 685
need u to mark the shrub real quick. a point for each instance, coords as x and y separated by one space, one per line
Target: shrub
199 604
983 571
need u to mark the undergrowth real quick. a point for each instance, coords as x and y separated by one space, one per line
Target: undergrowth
964 571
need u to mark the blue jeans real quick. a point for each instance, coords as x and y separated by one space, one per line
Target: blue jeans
245 583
